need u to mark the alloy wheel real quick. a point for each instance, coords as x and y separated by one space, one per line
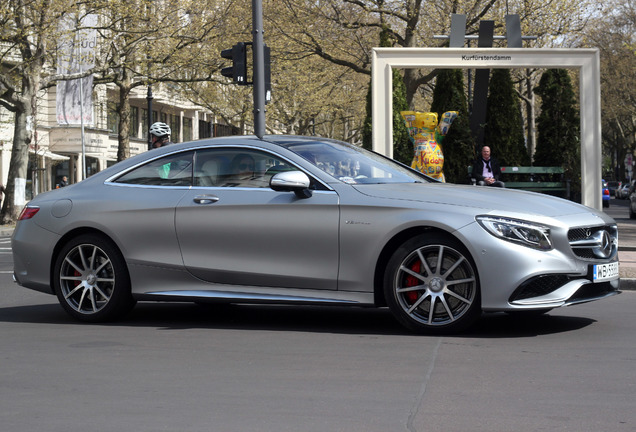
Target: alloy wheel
87 278
432 286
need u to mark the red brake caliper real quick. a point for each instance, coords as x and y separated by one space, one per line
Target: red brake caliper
412 296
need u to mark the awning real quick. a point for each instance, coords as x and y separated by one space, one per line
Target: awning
49 155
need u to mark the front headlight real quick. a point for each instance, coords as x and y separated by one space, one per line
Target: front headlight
525 233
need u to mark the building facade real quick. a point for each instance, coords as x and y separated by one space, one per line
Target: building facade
76 150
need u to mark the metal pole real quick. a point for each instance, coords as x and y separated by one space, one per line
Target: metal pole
259 68
81 89
149 116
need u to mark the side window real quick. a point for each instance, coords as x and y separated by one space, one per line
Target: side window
173 170
234 167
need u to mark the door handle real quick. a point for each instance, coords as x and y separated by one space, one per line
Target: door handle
206 199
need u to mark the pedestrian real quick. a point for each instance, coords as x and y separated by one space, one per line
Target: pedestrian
64 181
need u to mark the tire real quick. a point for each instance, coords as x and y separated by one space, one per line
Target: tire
91 279
632 215
414 281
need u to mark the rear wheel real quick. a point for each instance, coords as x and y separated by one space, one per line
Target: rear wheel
431 285
91 280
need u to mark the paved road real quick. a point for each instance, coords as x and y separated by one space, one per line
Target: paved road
6 261
181 368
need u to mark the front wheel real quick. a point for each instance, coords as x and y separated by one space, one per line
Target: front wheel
91 280
431 285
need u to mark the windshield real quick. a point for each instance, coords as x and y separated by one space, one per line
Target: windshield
355 165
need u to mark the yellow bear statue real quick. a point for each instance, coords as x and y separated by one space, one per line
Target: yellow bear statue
427 136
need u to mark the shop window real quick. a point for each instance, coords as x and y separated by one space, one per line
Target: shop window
112 120
187 129
205 129
92 166
224 130
58 171
144 123
175 126
134 122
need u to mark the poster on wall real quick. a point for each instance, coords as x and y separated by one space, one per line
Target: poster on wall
75 54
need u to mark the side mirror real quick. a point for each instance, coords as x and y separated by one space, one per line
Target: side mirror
291 181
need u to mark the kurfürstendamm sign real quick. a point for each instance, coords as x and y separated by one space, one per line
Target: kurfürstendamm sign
586 61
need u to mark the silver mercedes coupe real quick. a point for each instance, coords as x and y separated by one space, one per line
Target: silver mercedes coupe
306 220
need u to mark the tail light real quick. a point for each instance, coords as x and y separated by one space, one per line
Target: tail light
28 212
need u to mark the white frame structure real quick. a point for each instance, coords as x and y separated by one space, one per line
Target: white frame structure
587 61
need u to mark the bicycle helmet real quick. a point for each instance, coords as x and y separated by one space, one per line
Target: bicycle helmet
160 129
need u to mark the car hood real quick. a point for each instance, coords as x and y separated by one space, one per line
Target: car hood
487 198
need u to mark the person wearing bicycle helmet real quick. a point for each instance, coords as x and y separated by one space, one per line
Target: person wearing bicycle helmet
160 134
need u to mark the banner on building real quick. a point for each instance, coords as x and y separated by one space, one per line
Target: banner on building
75 54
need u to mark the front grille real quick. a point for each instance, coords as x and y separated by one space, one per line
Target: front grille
594 243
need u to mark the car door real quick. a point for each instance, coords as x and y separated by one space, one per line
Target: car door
233 229
140 206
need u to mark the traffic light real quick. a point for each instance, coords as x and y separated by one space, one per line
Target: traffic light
238 70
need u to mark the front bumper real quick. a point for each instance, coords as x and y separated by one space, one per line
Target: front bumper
515 277
571 292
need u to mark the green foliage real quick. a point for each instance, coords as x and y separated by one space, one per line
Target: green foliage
458 145
558 126
367 140
504 132
402 147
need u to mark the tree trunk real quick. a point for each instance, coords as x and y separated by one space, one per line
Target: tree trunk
14 199
123 137
530 115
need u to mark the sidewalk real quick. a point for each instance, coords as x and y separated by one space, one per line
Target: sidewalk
627 255
6 230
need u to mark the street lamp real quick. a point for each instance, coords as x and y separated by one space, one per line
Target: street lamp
149 98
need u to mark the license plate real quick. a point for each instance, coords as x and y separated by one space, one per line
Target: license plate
605 272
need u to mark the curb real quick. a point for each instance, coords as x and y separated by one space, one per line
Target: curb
628 284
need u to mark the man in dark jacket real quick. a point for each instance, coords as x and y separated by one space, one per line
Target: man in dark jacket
486 170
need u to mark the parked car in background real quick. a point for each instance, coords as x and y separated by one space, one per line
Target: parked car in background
623 191
606 194
613 186
307 220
